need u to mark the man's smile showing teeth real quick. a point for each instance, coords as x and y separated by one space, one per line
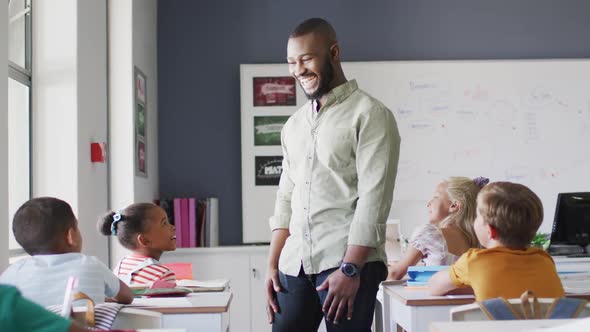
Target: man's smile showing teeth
307 81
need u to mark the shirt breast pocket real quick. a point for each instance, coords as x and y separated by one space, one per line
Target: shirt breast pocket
336 147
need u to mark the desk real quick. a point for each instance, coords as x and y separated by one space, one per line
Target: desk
413 309
198 312
497 325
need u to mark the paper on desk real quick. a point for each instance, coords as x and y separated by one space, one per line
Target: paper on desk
462 296
197 299
580 324
576 283
216 283
574 276
576 286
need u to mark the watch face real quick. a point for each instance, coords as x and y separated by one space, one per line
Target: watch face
349 269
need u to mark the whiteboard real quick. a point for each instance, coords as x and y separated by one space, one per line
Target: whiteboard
525 121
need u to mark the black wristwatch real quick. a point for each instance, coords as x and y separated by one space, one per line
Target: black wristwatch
349 269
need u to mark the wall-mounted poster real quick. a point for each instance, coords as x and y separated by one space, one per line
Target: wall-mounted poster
268 170
267 129
274 91
141 158
140 125
139 84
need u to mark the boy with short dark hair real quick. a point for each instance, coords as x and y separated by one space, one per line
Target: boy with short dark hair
508 216
47 230
20 314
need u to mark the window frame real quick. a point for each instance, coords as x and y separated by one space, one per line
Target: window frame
24 76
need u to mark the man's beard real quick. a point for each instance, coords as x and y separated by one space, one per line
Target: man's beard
326 77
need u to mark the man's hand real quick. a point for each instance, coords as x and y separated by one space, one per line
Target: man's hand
341 294
272 286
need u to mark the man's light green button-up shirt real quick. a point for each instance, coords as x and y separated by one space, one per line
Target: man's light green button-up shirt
338 177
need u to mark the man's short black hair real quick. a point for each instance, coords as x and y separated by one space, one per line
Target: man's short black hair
318 25
41 223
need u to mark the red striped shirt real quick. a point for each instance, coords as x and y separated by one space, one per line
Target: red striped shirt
147 274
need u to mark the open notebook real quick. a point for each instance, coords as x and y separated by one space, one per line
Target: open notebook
181 288
216 285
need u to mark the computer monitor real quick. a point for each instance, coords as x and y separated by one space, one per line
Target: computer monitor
571 225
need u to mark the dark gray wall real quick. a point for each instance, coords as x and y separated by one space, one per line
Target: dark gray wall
202 43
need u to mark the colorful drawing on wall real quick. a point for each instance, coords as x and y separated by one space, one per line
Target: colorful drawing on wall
140 83
140 125
140 86
141 158
274 91
267 129
268 170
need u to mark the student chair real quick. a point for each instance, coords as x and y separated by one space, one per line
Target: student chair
528 306
106 316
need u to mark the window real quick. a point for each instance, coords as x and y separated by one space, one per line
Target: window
19 112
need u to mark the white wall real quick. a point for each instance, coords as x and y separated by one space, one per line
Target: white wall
132 42
145 57
69 109
3 138
92 120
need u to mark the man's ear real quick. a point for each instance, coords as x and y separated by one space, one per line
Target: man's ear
335 52
142 240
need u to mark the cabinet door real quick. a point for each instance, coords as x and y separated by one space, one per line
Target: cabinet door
234 266
257 296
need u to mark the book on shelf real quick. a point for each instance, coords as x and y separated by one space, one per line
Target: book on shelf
192 223
185 223
178 222
196 221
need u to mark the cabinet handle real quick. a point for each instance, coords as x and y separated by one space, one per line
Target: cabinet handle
254 273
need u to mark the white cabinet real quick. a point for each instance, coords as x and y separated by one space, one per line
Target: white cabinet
257 294
245 266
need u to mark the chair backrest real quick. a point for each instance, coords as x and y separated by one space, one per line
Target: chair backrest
91 315
473 312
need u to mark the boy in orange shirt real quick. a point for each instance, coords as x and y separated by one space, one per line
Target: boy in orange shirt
508 216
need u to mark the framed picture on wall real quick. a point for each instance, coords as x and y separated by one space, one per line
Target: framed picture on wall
268 170
140 85
141 158
267 129
274 91
140 122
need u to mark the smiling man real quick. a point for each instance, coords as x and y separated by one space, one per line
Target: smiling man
340 156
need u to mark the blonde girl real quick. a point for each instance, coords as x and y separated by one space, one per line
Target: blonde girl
449 232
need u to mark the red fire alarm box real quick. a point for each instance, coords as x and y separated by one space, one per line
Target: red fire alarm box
97 152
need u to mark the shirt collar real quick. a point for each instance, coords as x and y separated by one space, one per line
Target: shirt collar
341 92
337 95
